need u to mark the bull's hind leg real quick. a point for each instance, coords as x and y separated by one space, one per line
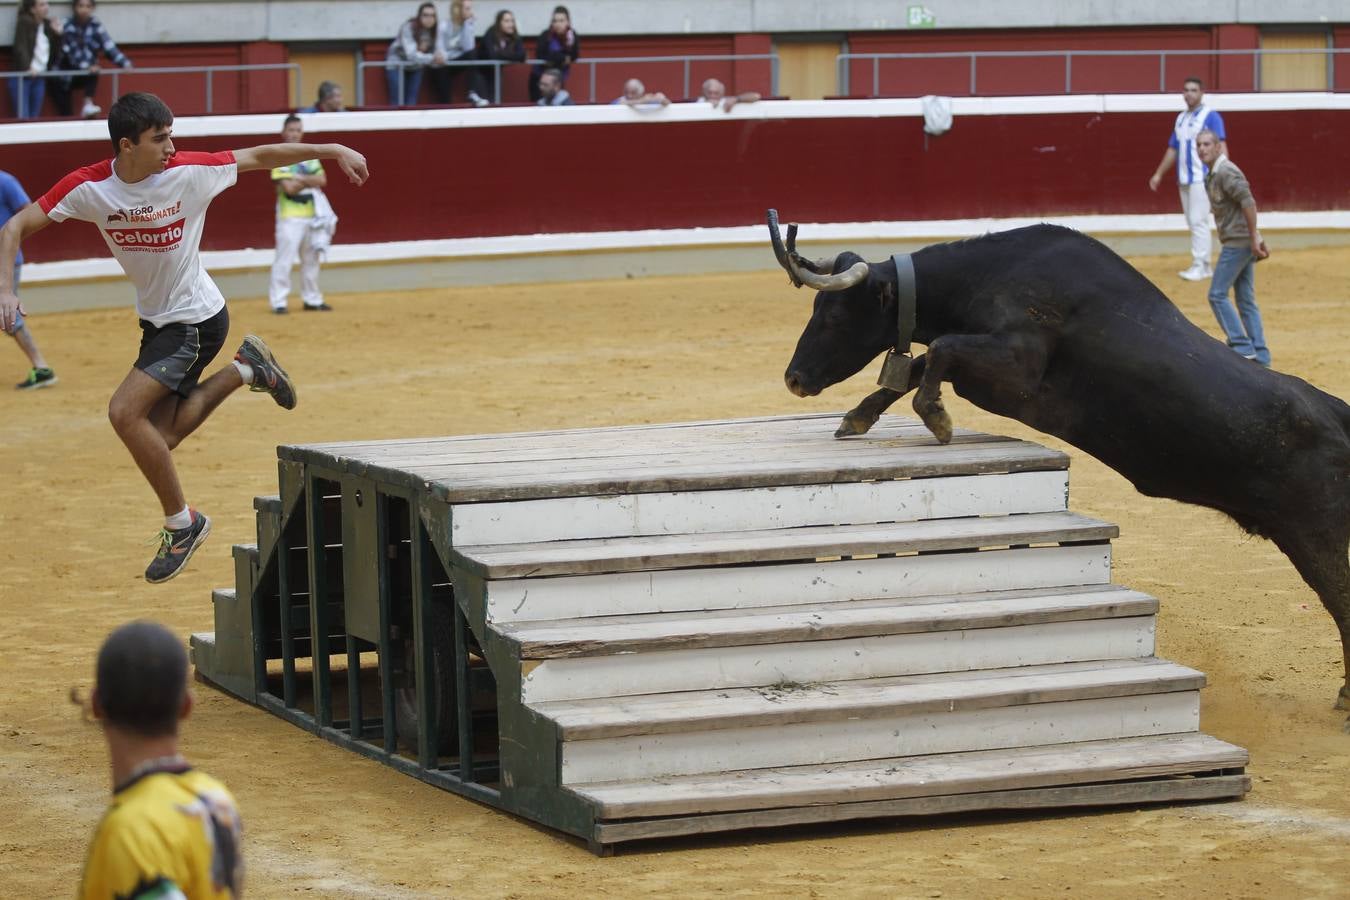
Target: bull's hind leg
997 371
1320 557
861 418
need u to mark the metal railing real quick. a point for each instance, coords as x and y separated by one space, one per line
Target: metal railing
592 64
844 61
115 75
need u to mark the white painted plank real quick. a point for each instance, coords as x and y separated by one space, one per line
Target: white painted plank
919 776
610 635
789 506
838 660
814 743
529 480
516 600
737 708
666 551
1133 793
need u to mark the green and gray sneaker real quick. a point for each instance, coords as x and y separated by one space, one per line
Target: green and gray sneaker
176 548
37 378
268 375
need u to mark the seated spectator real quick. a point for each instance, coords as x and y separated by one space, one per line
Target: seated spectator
413 50
328 100
635 95
558 46
551 91
501 42
715 94
82 41
454 41
37 42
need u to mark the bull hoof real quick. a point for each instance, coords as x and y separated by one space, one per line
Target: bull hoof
854 423
1343 698
940 424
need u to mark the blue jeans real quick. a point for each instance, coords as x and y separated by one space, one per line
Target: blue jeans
30 96
1236 269
412 83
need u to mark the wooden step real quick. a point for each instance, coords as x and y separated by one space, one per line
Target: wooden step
704 650
714 731
694 629
646 553
783 584
757 509
916 776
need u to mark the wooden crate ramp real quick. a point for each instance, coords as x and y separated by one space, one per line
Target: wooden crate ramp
655 631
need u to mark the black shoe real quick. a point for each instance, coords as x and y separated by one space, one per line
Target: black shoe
279 310
176 548
322 307
268 376
37 378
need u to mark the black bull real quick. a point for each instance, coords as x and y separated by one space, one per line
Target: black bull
1050 327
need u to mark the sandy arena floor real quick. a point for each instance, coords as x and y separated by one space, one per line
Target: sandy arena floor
324 822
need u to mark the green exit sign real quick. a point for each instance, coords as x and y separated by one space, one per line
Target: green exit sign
921 17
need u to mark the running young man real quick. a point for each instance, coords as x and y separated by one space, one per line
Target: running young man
150 204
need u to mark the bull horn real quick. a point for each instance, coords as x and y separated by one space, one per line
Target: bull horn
799 270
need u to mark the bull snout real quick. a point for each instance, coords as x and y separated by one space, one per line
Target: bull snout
794 384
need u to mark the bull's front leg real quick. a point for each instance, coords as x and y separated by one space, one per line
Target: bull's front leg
995 368
861 418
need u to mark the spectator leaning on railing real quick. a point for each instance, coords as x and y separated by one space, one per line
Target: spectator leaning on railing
328 100
551 91
502 43
715 94
635 96
82 41
558 46
454 41
37 42
413 49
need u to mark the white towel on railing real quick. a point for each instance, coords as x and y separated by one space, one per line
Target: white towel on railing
937 114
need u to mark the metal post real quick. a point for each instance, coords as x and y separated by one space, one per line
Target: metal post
428 737
23 97
876 76
1162 72
592 62
115 75
686 78
773 74
1256 71
318 600
1068 73
209 72
973 61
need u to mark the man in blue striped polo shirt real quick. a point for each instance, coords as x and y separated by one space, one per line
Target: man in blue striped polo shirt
1197 117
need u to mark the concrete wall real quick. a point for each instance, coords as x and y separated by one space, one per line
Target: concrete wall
154 21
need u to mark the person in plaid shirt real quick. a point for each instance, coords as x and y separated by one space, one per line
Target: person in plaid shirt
82 40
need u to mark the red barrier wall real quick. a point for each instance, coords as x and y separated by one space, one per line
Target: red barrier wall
1014 76
603 177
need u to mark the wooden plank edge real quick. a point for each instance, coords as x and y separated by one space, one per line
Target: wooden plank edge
775 716
1169 790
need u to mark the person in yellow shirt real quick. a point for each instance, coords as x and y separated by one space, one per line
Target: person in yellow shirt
170 831
304 225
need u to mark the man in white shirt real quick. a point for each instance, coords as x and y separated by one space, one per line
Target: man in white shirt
150 204
1181 150
714 93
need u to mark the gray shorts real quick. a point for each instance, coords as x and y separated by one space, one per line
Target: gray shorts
176 354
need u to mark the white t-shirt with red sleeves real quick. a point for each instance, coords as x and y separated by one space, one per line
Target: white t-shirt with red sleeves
153 228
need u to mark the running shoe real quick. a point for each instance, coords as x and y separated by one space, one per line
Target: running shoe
176 548
268 376
37 378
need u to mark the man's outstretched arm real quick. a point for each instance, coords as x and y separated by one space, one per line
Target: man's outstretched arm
270 156
29 220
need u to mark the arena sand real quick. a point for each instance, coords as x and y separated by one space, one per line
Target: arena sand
321 821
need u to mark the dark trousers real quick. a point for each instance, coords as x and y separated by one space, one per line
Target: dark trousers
63 89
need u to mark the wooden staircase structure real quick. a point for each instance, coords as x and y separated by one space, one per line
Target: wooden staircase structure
665 630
